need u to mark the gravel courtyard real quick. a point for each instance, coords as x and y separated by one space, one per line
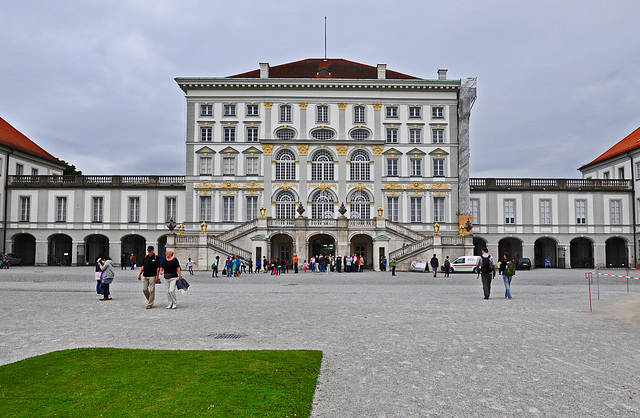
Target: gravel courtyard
409 345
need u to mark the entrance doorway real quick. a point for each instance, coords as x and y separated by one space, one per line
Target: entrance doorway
60 250
545 253
24 246
282 247
616 252
362 245
322 245
511 245
581 253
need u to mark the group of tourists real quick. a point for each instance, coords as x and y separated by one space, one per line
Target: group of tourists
4 261
150 271
487 267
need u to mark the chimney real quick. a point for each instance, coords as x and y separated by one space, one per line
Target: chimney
382 71
264 70
442 74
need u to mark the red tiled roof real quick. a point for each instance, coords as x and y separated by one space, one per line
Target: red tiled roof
12 138
630 142
320 68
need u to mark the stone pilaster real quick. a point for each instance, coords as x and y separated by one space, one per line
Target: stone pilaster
465 103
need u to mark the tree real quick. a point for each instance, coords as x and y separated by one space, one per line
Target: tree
70 170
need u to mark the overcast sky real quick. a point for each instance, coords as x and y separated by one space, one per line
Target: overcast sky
92 82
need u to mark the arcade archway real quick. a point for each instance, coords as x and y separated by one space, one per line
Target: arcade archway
282 247
60 246
511 245
96 245
322 245
478 245
24 246
616 252
545 253
581 253
134 244
362 245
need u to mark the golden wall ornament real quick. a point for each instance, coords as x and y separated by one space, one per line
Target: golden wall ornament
342 106
416 185
303 105
322 186
267 105
204 186
180 229
285 186
342 149
303 149
377 106
377 149
440 186
267 149
203 228
436 229
392 186
228 185
252 185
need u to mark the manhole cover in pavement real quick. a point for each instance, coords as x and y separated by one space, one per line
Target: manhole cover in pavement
226 336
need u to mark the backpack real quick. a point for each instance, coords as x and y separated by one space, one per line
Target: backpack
485 266
510 270
447 264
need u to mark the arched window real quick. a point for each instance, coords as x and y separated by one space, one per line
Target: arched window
323 134
359 134
322 205
360 170
360 205
285 134
285 205
285 165
322 166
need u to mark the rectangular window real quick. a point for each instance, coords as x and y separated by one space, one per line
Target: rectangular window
205 208
475 211
438 209
437 136
61 209
621 173
34 171
392 135
323 113
392 112
392 167
206 110
285 113
206 165
229 110
252 165
358 114
252 134
605 175
19 169
414 112
97 209
392 209
416 167
436 112
438 167
415 136
637 171
229 165
581 212
230 134
134 209
615 212
172 209
228 208
25 208
509 211
206 134
252 110
252 207
416 209
545 212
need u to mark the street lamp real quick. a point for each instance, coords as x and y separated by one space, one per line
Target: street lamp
263 210
380 211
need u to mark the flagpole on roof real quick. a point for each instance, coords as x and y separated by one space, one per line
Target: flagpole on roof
325 38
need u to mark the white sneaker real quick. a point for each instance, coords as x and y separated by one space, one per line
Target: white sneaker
169 307
174 306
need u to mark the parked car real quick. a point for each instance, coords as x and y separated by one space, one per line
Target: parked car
523 264
14 260
466 264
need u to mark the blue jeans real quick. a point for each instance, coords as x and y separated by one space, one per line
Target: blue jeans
507 285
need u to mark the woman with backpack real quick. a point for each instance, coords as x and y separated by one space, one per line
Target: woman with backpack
508 269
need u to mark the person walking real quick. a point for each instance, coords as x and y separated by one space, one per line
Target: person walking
149 271
190 264
447 267
98 276
170 268
393 266
250 265
361 263
507 269
258 265
295 263
265 264
214 266
434 265
487 270
123 261
106 265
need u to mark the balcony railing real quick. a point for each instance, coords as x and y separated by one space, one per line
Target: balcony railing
97 181
548 184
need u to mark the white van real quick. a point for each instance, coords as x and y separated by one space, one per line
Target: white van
466 264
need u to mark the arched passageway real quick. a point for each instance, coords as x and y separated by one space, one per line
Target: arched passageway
321 245
511 245
478 245
282 247
60 246
96 245
616 252
362 245
545 253
24 246
581 253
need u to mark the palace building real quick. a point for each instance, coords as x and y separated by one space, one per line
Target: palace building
321 156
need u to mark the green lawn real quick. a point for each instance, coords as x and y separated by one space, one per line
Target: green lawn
124 382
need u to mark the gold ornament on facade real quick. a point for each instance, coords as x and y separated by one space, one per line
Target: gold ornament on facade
303 105
252 185
180 229
342 106
267 149
436 229
285 186
342 149
267 105
322 186
203 228
204 186
377 149
392 186
228 185
416 185
440 186
303 149
377 106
